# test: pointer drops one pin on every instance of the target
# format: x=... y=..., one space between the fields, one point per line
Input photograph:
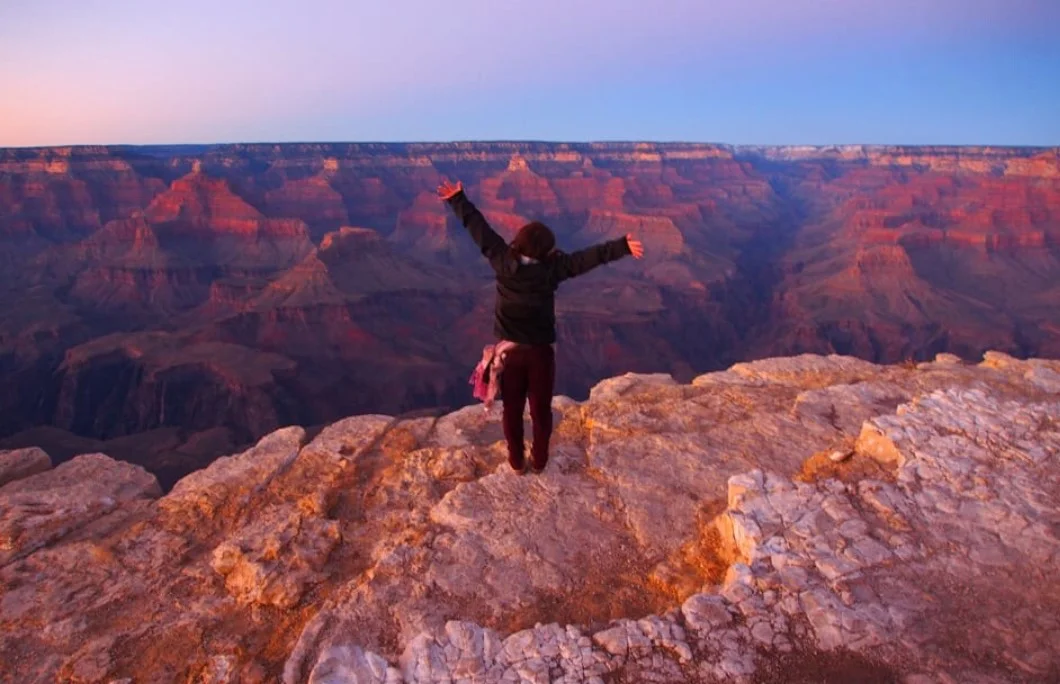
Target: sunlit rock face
x=682 y=532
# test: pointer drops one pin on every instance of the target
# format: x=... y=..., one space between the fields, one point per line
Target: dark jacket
x=525 y=312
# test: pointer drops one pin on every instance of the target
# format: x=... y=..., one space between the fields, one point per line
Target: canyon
x=169 y=305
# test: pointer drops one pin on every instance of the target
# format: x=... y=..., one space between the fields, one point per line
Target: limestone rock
x=1046 y=379
x=840 y=455
x=809 y=370
x=273 y=560
x=351 y=664
x=615 y=388
x=43 y=508
x=233 y=480
x=680 y=533
x=20 y=463
x=704 y=613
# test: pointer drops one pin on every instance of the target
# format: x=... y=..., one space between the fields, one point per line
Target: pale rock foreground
x=681 y=533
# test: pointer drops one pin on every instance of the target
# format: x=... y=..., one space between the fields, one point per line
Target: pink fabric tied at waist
x=486 y=378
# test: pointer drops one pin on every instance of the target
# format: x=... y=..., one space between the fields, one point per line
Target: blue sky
x=742 y=72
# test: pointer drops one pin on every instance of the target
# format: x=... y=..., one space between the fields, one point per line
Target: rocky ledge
x=800 y=519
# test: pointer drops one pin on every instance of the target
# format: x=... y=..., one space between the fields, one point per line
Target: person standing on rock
x=529 y=271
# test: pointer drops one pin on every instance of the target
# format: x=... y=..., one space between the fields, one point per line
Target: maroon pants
x=528 y=371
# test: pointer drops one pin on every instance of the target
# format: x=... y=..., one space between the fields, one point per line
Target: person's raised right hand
x=636 y=247
x=448 y=191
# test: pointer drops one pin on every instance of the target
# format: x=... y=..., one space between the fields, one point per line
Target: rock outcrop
x=803 y=519
x=21 y=463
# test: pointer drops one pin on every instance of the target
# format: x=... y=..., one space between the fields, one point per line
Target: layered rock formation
x=797 y=519
x=228 y=290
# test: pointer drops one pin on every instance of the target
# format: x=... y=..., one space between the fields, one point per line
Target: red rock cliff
x=333 y=273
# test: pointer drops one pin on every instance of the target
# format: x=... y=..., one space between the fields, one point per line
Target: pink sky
x=139 y=71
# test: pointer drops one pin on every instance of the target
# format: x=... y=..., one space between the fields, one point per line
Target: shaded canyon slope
x=170 y=304
x=698 y=533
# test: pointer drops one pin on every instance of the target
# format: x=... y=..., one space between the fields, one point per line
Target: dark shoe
x=534 y=460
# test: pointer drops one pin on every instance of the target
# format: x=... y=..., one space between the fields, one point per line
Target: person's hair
x=534 y=240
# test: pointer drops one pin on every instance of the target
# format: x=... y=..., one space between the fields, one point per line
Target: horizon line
x=532 y=141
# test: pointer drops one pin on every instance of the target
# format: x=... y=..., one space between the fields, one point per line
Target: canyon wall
x=215 y=293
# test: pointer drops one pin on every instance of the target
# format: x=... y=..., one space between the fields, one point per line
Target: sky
x=726 y=71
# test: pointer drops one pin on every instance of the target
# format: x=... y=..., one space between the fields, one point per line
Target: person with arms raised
x=528 y=271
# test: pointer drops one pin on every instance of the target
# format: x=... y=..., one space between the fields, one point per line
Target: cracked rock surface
x=681 y=533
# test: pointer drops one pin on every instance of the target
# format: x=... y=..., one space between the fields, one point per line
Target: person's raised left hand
x=636 y=247
x=448 y=191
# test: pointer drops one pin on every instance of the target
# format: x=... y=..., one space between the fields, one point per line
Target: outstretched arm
x=583 y=261
x=491 y=244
